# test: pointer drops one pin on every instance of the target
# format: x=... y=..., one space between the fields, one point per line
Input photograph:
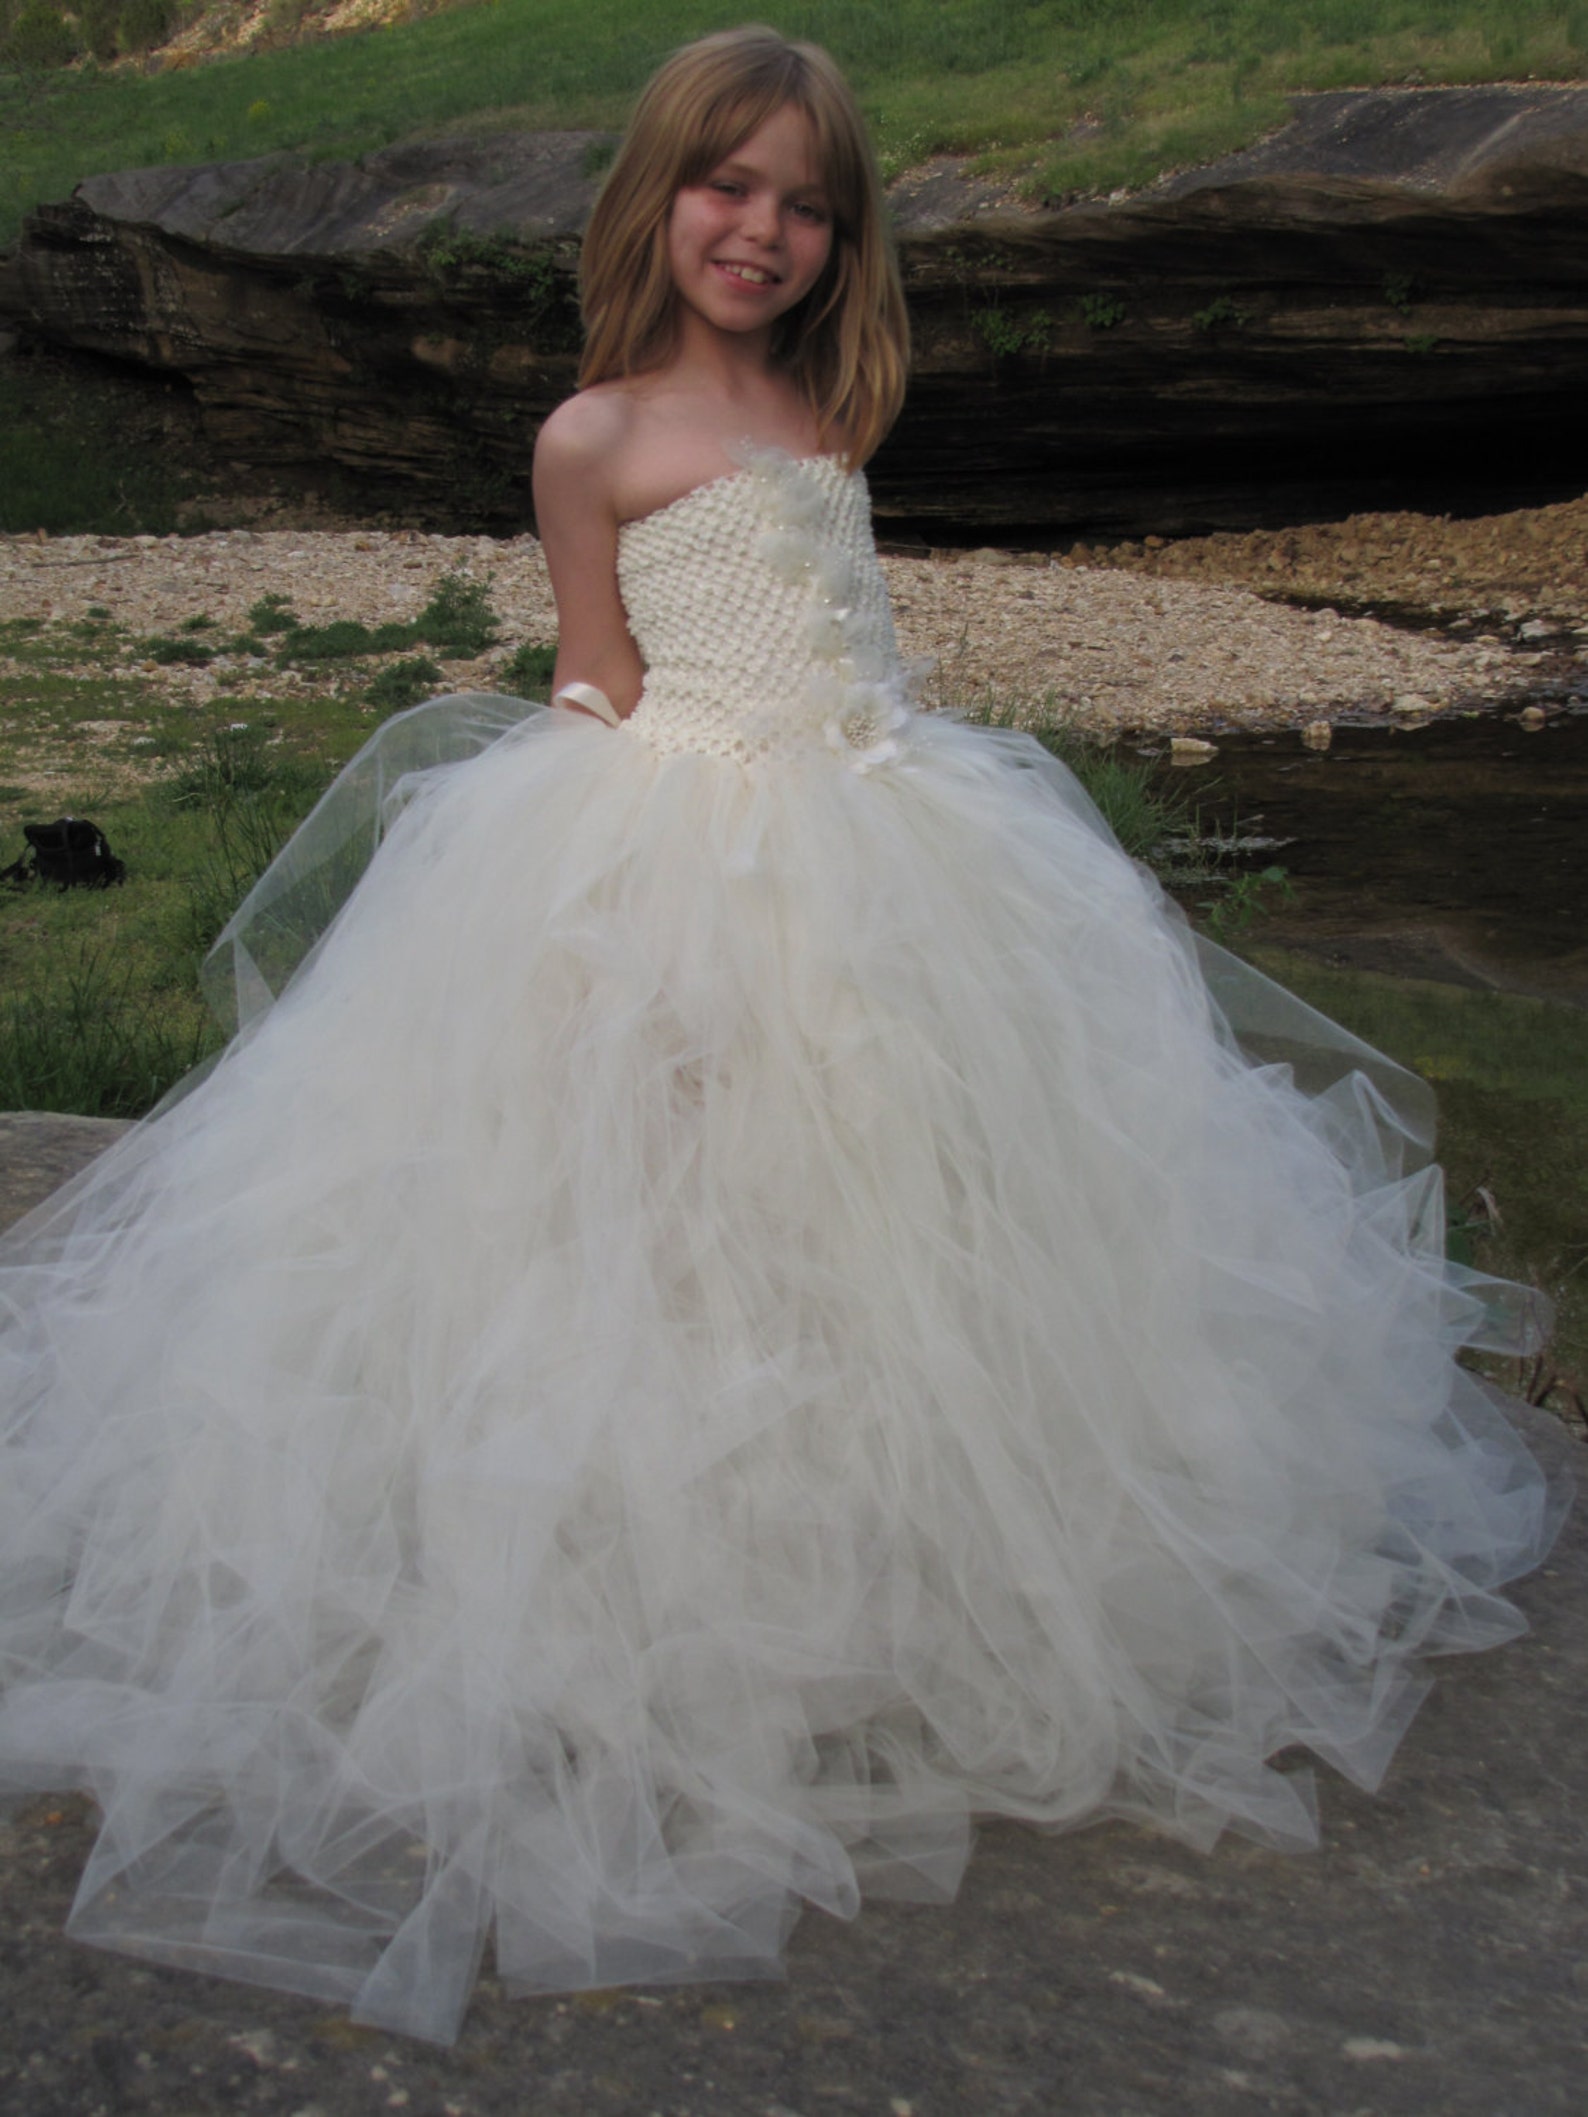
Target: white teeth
x=749 y=272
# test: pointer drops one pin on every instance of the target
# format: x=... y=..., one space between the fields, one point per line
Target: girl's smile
x=749 y=242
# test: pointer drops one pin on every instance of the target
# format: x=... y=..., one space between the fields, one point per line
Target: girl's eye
x=813 y=214
x=724 y=184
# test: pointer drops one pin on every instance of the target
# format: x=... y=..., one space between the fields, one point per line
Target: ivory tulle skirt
x=718 y=1330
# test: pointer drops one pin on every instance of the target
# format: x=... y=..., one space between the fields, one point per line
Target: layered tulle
x=722 y=1327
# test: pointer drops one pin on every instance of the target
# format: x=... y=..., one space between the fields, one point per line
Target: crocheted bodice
x=762 y=618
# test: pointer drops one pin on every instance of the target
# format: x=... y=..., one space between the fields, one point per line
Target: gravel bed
x=1137 y=638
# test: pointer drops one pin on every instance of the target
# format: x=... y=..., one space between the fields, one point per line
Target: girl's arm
x=576 y=516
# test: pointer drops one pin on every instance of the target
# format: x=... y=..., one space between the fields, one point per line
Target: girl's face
x=749 y=241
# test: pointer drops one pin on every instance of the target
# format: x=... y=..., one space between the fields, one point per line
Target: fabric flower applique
x=856 y=694
x=867 y=724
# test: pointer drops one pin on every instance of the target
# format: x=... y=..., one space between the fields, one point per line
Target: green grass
x=87 y=711
x=1072 y=94
x=99 y=1003
x=102 y=1011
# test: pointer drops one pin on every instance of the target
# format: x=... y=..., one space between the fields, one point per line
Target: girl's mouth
x=746 y=275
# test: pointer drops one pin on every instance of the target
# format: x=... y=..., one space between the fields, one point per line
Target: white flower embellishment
x=856 y=693
x=866 y=723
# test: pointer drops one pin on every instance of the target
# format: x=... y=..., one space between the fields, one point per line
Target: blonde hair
x=847 y=342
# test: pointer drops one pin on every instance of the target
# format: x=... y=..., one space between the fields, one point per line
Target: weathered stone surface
x=40 y=1150
x=1384 y=301
x=1429 y=139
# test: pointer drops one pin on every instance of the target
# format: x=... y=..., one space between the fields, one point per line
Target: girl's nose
x=760 y=218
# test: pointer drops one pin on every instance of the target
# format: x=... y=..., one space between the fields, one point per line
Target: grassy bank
x=1072 y=95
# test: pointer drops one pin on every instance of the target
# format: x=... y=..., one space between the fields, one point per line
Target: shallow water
x=1440 y=909
x=1456 y=851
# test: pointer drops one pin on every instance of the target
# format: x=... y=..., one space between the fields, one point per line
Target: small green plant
x=202 y=623
x=898 y=151
x=250 y=793
x=1400 y=289
x=1005 y=335
x=271 y=614
x=339 y=641
x=528 y=674
x=169 y=650
x=1151 y=817
x=228 y=764
x=403 y=684
x=1101 y=312
x=1221 y=314
x=458 y=620
x=39 y=39
x=540 y=288
x=458 y=615
x=1420 y=341
x=1242 y=901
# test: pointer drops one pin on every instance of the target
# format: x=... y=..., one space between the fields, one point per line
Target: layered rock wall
x=1386 y=302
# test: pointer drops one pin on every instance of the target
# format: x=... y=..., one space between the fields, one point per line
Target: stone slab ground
x=1431 y=1957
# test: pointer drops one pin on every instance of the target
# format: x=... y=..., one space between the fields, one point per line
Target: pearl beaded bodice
x=762 y=618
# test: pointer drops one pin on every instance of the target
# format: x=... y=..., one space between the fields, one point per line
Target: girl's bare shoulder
x=586 y=432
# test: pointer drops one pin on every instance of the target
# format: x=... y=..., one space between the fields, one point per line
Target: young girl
x=742 y=1308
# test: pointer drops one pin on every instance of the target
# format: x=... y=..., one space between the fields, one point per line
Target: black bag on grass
x=72 y=853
